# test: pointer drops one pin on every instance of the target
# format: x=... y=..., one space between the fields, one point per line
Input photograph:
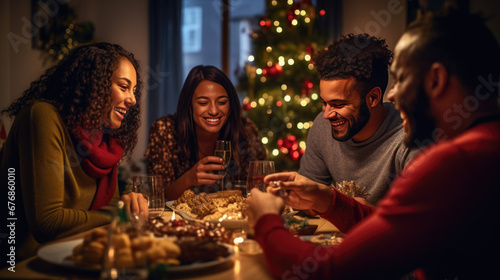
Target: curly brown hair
x=364 y=57
x=79 y=86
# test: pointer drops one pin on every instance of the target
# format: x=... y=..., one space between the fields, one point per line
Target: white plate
x=56 y=254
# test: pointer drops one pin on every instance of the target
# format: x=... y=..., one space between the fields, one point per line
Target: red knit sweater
x=440 y=218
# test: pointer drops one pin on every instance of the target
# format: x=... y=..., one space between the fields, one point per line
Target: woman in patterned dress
x=181 y=146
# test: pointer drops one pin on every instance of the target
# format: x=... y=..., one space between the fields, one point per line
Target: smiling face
x=409 y=95
x=123 y=85
x=210 y=105
x=344 y=108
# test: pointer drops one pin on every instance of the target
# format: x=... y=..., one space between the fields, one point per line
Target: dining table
x=242 y=266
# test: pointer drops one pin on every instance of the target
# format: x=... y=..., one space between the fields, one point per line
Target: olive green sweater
x=52 y=192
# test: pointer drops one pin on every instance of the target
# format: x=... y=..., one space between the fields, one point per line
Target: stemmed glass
x=223 y=150
x=256 y=173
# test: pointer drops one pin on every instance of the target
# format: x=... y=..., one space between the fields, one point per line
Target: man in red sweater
x=440 y=218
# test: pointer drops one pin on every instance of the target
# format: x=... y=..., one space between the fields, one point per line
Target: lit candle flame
x=238 y=240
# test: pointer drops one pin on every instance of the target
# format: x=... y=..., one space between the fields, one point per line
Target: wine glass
x=256 y=173
x=223 y=150
x=151 y=187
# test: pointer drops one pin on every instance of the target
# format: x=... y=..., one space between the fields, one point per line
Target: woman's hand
x=261 y=203
x=300 y=192
x=201 y=172
x=136 y=204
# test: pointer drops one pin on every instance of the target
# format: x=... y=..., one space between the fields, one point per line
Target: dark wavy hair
x=364 y=57
x=183 y=117
x=461 y=42
x=79 y=86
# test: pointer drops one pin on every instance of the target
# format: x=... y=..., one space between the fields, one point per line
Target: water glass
x=121 y=260
x=151 y=187
x=256 y=173
x=240 y=185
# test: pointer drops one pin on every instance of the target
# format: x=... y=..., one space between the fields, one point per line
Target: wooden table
x=244 y=266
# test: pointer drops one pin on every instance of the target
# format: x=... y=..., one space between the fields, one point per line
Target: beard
x=421 y=123
x=363 y=118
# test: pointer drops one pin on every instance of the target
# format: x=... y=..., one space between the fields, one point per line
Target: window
x=191 y=29
x=202 y=33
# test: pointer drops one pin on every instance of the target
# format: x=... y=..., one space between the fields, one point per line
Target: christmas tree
x=281 y=83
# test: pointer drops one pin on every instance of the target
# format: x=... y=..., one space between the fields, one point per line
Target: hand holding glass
x=223 y=150
x=151 y=187
x=256 y=173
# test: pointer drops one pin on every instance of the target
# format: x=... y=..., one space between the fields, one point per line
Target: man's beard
x=364 y=117
x=421 y=124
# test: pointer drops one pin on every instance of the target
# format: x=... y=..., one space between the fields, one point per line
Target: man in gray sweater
x=357 y=137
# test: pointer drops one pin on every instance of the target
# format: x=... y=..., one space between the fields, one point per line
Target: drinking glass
x=121 y=260
x=223 y=150
x=256 y=173
x=151 y=187
x=240 y=185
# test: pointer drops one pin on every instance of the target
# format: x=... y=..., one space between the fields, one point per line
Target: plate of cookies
x=179 y=255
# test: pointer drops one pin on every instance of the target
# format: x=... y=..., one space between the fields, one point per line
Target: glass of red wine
x=256 y=173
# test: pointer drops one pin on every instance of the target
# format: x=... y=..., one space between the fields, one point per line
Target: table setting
x=175 y=240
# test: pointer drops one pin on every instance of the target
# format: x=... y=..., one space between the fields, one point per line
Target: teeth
x=212 y=120
x=338 y=123
x=121 y=111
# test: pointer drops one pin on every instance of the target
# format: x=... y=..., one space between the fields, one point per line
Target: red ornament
x=273 y=71
x=307 y=87
x=265 y=23
x=290 y=147
x=268 y=23
x=309 y=49
x=247 y=106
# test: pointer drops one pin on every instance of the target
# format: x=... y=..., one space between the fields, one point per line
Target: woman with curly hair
x=181 y=146
x=71 y=128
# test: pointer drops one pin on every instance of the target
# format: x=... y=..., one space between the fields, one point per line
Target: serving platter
x=57 y=254
x=227 y=223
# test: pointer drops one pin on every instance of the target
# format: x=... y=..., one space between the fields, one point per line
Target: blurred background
x=264 y=46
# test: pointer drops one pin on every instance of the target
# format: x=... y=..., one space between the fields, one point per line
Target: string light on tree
x=282 y=83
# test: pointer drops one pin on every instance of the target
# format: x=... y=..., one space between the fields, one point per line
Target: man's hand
x=301 y=192
x=261 y=203
x=136 y=204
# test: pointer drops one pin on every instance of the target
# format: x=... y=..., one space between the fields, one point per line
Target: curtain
x=331 y=24
x=165 y=58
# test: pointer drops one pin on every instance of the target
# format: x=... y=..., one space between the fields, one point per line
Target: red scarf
x=99 y=154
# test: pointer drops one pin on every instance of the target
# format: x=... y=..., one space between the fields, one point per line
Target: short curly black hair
x=363 y=57
x=472 y=56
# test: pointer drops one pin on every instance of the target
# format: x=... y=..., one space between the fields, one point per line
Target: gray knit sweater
x=372 y=163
